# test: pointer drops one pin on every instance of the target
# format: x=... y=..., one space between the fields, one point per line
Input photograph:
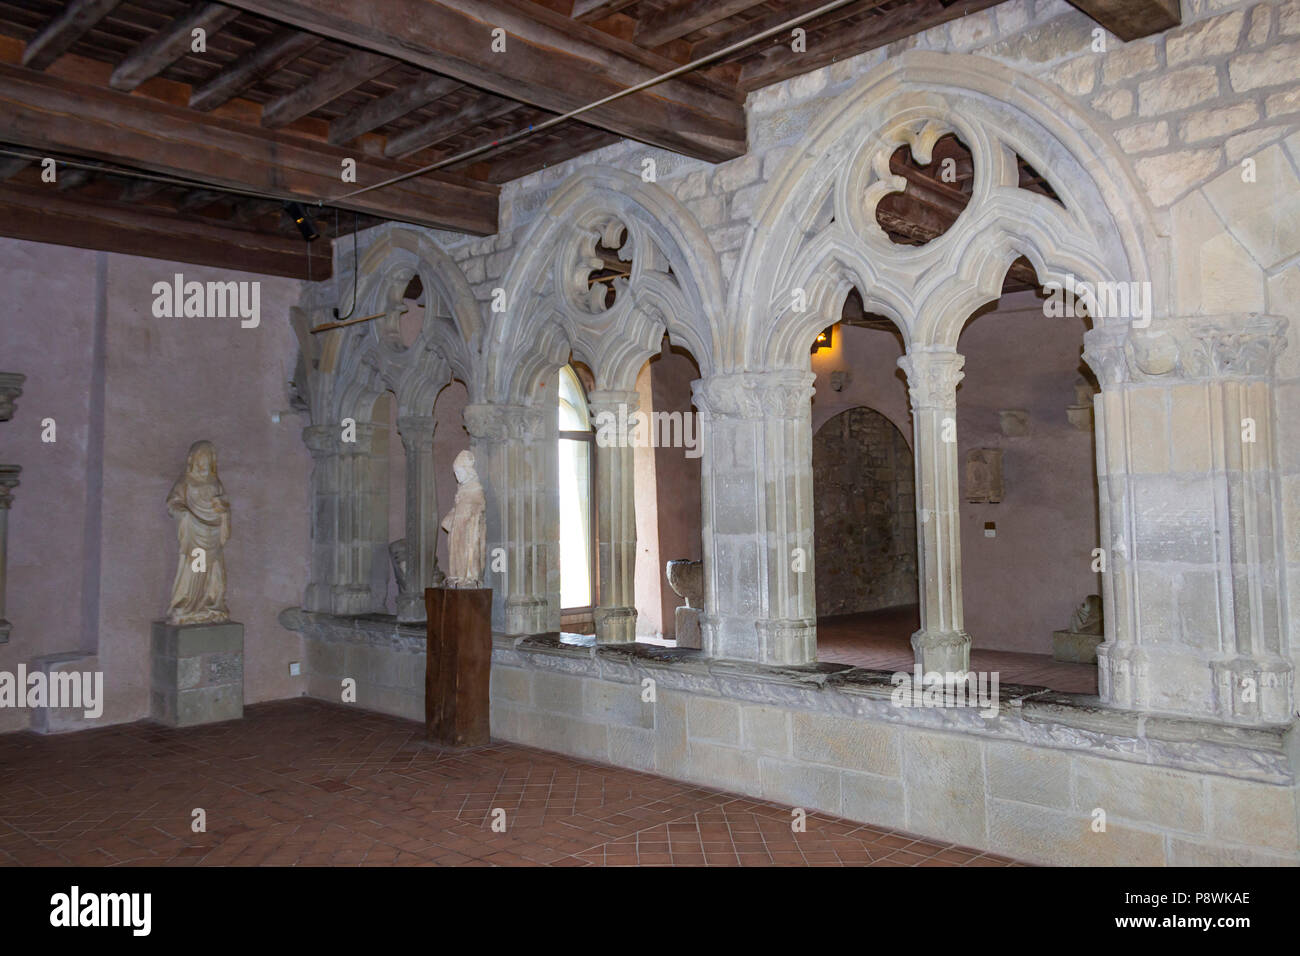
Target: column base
x=784 y=642
x=942 y=651
x=1252 y=690
x=526 y=616
x=411 y=608
x=615 y=625
x=347 y=600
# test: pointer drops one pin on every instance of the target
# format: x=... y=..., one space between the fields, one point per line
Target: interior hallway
x=307 y=783
x=880 y=640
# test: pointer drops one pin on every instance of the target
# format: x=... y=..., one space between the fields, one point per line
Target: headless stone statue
x=198 y=502
x=1078 y=642
x=1087 y=616
x=466 y=527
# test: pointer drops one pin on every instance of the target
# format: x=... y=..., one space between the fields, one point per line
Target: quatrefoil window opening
x=936 y=193
x=611 y=267
x=934 y=196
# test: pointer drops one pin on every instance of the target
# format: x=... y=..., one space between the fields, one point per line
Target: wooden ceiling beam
x=527 y=159
x=43 y=112
x=278 y=52
x=356 y=68
x=168 y=45
x=57 y=36
x=1132 y=19
x=780 y=62
x=551 y=62
x=444 y=127
x=40 y=215
x=767 y=21
x=588 y=10
x=383 y=110
x=686 y=16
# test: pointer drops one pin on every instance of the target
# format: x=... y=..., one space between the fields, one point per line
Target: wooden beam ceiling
x=325 y=87
x=382 y=111
x=168 y=45
x=1133 y=19
x=39 y=215
x=551 y=62
x=64 y=30
x=285 y=47
x=686 y=16
x=50 y=113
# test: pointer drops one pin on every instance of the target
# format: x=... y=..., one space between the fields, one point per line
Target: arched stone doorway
x=865 y=531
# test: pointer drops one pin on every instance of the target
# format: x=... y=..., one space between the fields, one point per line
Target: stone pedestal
x=80 y=676
x=1075 y=648
x=458 y=664
x=198 y=673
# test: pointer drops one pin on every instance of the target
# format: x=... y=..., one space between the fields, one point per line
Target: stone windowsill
x=1027 y=714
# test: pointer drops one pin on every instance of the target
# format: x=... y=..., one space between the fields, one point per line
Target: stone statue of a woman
x=466 y=527
x=199 y=504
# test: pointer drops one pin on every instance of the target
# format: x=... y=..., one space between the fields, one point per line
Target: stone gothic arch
x=349 y=368
x=816 y=228
x=552 y=313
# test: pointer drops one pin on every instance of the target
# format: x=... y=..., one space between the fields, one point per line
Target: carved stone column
x=421 y=517
x=611 y=412
x=323 y=443
x=510 y=449
x=350 y=496
x=8 y=482
x=756 y=436
x=933 y=373
x=1187 y=467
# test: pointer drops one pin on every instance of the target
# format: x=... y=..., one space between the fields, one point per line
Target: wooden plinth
x=458 y=664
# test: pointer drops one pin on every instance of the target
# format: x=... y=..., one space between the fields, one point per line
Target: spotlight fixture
x=302 y=221
x=823 y=340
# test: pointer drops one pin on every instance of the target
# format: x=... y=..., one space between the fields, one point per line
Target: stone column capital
x=11 y=386
x=416 y=432
x=321 y=440
x=1193 y=348
x=780 y=393
x=498 y=423
x=933 y=373
x=610 y=399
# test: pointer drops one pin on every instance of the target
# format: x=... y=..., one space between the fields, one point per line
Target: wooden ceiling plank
x=1132 y=19
x=586 y=11
x=686 y=16
x=325 y=87
x=38 y=215
x=383 y=110
x=522 y=161
x=551 y=62
x=767 y=21
x=169 y=44
x=898 y=24
x=11 y=166
x=43 y=112
x=64 y=30
x=281 y=50
x=442 y=128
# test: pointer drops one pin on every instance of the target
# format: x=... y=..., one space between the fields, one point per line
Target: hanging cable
x=355 y=260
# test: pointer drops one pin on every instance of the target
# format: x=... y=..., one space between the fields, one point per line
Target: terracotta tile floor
x=881 y=640
x=308 y=783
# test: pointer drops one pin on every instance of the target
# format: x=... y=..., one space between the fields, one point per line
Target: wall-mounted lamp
x=824 y=339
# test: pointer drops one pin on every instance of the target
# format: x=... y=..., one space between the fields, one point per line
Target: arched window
x=577 y=459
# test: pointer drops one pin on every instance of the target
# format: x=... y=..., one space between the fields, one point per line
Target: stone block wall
x=1036 y=781
x=863 y=485
x=1031 y=783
